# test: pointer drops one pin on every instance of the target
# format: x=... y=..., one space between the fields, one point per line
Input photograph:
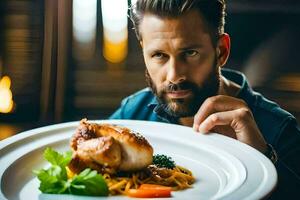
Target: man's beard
x=186 y=107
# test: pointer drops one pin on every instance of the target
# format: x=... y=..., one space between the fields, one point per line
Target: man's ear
x=141 y=43
x=223 y=49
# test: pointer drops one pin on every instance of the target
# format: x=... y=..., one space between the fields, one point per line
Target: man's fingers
x=234 y=118
x=242 y=123
x=215 y=104
x=216 y=119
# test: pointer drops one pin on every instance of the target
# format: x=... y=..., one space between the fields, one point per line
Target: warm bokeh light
x=84 y=27
x=5 y=82
x=288 y=82
x=115 y=51
x=84 y=20
x=114 y=17
x=6 y=102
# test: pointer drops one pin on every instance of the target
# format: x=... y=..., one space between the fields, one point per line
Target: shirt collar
x=153 y=103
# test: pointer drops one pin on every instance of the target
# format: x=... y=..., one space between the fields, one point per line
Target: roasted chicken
x=108 y=148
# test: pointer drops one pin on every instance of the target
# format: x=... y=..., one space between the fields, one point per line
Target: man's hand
x=231 y=117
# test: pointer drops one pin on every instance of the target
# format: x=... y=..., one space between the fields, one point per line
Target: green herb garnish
x=88 y=182
x=161 y=160
x=54 y=180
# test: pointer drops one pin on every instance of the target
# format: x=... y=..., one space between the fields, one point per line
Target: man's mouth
x=180 y=94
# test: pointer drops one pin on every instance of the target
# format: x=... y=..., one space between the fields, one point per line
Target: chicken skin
x=109 y=148
x=103 y=150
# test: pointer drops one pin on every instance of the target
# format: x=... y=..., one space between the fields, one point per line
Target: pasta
x=178 y=178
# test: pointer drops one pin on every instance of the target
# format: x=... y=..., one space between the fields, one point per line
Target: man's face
x=180 y=60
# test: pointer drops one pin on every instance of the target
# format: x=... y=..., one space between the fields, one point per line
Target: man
x=185 y=47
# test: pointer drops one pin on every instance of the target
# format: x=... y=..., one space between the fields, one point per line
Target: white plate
x=224 y=168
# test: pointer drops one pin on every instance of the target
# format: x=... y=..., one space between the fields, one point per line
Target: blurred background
x=63 y=60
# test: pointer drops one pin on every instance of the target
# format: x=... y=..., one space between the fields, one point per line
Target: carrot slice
x=149 y=193
x=154 y=186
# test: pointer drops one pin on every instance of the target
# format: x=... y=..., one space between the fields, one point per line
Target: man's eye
x=158 y=55
x=190 y=53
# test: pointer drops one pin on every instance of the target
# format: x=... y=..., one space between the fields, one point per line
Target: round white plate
x=224 y=168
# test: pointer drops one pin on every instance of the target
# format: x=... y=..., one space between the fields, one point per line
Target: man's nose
x=176 y=71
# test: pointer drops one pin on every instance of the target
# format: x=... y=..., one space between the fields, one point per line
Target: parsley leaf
x=56 y=158
x=88 y=182
x=54 y=180
x=60 y=160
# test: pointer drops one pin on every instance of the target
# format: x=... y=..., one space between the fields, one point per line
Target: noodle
x=179 y=178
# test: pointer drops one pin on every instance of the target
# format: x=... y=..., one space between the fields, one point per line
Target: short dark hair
x=213 y=12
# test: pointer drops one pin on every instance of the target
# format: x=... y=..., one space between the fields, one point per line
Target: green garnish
x=54 y=180
x=161 y=160
x=88 y=182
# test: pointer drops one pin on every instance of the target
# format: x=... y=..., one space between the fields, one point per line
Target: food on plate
x=109 y=148
x=55 y=180
x=163 y=161
x=109 y=159
x=149 y=191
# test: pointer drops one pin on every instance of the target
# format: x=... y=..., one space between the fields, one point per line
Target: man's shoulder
x=264 y=105
x=264 y=109
x=271 y=118
x=139 y=105
x=141 y=95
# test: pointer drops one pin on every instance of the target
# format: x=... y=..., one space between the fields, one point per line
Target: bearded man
x=185 y=48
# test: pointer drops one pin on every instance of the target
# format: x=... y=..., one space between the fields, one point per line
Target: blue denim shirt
x=278 y=127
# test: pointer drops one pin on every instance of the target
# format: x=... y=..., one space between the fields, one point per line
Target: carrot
x=150 y=191
x=154 y=186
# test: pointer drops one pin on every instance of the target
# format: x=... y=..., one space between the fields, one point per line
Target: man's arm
x=288 y=164
x=288 y=146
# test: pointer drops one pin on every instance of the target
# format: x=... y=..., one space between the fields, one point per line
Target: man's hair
x=213 y=12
